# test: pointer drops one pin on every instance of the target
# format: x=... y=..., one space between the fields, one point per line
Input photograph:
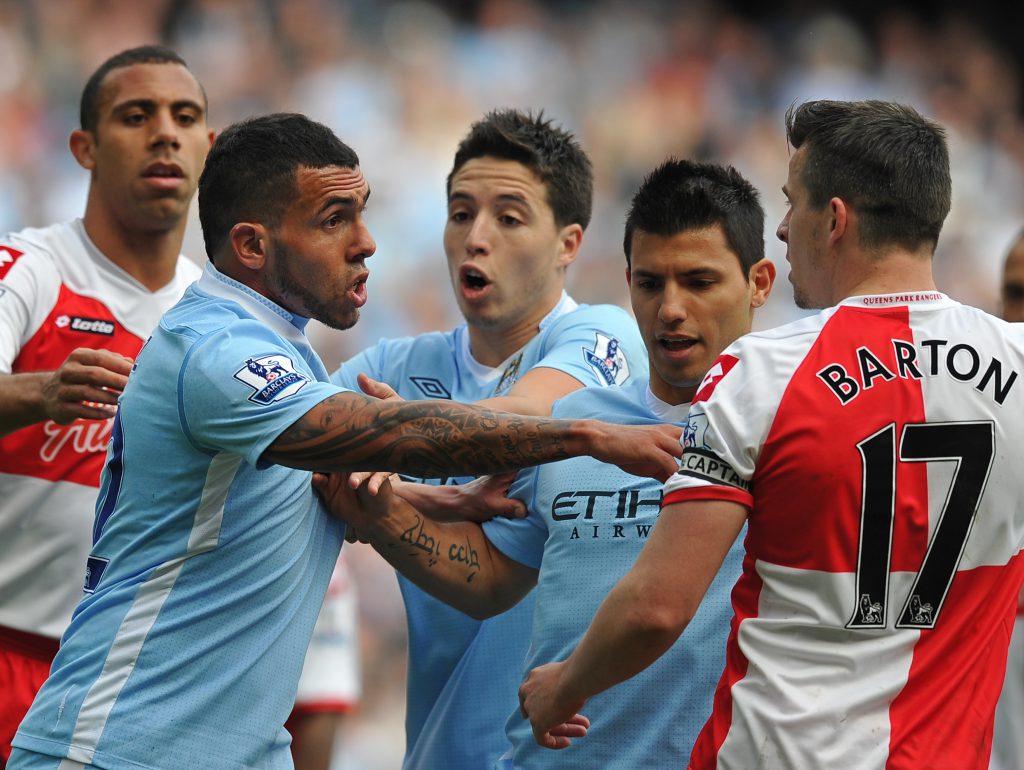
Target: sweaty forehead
x=161 y=83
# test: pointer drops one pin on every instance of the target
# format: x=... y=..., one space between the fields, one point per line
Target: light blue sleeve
x=596 y=344
x=238 y=391
x=368 y=362
x=521 y=539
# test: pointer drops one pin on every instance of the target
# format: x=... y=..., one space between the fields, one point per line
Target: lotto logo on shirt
x=271 y=377
x=85 y=325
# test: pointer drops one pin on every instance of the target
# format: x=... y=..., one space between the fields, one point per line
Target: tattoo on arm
x=420 y=540
x=349 y=431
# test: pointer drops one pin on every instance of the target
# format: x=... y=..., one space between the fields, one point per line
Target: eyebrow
x=348 y=201
x=689 y=273
x=506 y=198
x=149 y=105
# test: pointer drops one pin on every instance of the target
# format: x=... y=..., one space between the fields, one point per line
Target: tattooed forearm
x=465 y=554
x=428 y=438
x=417 y=541
x=417 y=538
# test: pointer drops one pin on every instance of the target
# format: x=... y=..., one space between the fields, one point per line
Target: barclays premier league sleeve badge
x=272 y=378
x=608 y=360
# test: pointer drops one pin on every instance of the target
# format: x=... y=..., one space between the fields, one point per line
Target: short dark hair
x=89 y=109
x=550 y=152
x=884 y=159
x=250 y=173
x=681 y=195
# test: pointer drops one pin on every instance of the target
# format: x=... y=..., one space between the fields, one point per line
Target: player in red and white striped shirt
x=77 y=301
x=874 y=452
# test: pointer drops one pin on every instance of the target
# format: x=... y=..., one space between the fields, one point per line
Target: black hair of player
x=885 y=160
x=92 y=94
x=251 y=171
x=682 y=195
x=550 y=152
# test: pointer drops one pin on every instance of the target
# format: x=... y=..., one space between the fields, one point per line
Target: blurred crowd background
x=637 y=81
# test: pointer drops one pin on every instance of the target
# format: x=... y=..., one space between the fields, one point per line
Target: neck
x=670 y=394
x=490 y=345
x=150 y=257
x=894 y=272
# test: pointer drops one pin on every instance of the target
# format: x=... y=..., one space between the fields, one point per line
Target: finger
x=512 y=508
x=88 y=395
x=106 y=359
x=320 y=481
x=549 y=741
x=576 y=727
x=72 y=412
x=357 y=478
x=375 y=388
x=373 y=486
x=556 y=742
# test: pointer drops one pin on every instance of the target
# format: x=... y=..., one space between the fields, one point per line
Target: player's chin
x=340 y=319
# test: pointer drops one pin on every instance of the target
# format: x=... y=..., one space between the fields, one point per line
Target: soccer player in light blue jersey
x=696 y=271
x=519 y=198
x=211 y=552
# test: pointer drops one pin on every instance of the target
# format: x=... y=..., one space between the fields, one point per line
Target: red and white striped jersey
x=58 y=293
x=879 y=447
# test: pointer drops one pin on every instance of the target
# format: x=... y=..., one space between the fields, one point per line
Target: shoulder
x=398 y=352
x=624 y=404
x=594 y=316
x=198 y=314
x=42 y=246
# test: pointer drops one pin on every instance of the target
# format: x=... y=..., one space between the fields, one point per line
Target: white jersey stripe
x=96 y=707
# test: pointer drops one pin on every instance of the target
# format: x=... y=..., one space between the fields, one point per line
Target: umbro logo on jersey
x=8 y=256
x=718 y=370
x=431 y=387
x=272 y=378
x=85 y=325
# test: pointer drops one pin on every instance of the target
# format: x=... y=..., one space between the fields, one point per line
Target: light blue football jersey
x=208 y=567
x=586 y=526
x=464 y=673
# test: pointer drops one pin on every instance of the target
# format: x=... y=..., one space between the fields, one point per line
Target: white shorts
x=330 y=675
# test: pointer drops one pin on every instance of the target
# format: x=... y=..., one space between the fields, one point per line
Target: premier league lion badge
x=608 y=360
x=271 y=377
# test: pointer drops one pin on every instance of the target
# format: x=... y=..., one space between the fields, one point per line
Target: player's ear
x=762 y=278
x=248 y=243
x=840 y=220
x=82 y=144
x=570 y=238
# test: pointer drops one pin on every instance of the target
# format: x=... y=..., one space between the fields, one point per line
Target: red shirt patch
x=718 y=370
x=8 y=256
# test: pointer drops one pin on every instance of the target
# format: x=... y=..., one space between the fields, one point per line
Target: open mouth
x=475 y=284
x=357 y=294
x=676 y=344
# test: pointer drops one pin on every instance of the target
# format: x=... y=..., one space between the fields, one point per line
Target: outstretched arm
x=349 y=431
x=535 y=392
x=86 y=386
x=453 y=561
x=640 y=619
